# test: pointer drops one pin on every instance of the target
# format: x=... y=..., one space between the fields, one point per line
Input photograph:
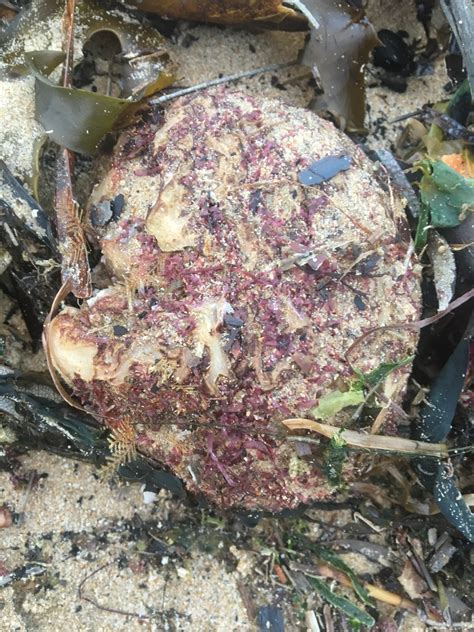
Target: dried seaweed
x=32 y=276
x=36 y=221
x=39 y=420
x=257 y=13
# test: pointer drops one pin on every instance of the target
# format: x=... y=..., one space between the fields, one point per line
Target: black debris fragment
x=120 y=330
x=434 y=425
x=23 y=573
x=394 y=55
x=270 y=619
x=140 y=471
x=37 y=221
x=233 y=321
x=359 y=303
x=101 y=214
x=399 y=179
x=117 y=206
x=324 y=169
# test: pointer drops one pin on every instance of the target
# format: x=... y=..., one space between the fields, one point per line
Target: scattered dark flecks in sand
x=169 y=547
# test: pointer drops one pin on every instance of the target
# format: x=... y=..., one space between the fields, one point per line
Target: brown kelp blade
x=270 y=14
x=72 y=117
x=341 y=41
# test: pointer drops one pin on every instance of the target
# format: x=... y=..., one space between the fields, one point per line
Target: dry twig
x=362 y=441
x=219 y=81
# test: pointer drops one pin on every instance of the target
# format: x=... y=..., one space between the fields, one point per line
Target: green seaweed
x=335 y=456
x=447 y=195
x=356 y=614
x=379 y=374
x=335 y=401
x=304 y=544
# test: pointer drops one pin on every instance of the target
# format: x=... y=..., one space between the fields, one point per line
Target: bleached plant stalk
x=375 y=443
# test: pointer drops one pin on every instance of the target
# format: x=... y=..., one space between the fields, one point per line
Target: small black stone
x=368 y=265
x=359 y=303
x=120 y=330
x=233 y=321
x=101 y=214
x=324 y=293
x=255 y=200
x=117 y=205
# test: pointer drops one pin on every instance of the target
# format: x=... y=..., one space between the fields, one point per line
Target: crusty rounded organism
x=237 y=290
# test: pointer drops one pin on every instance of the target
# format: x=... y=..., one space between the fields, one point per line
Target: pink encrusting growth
x=235 y=292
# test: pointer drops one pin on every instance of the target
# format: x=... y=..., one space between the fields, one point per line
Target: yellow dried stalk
x=378 y=443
